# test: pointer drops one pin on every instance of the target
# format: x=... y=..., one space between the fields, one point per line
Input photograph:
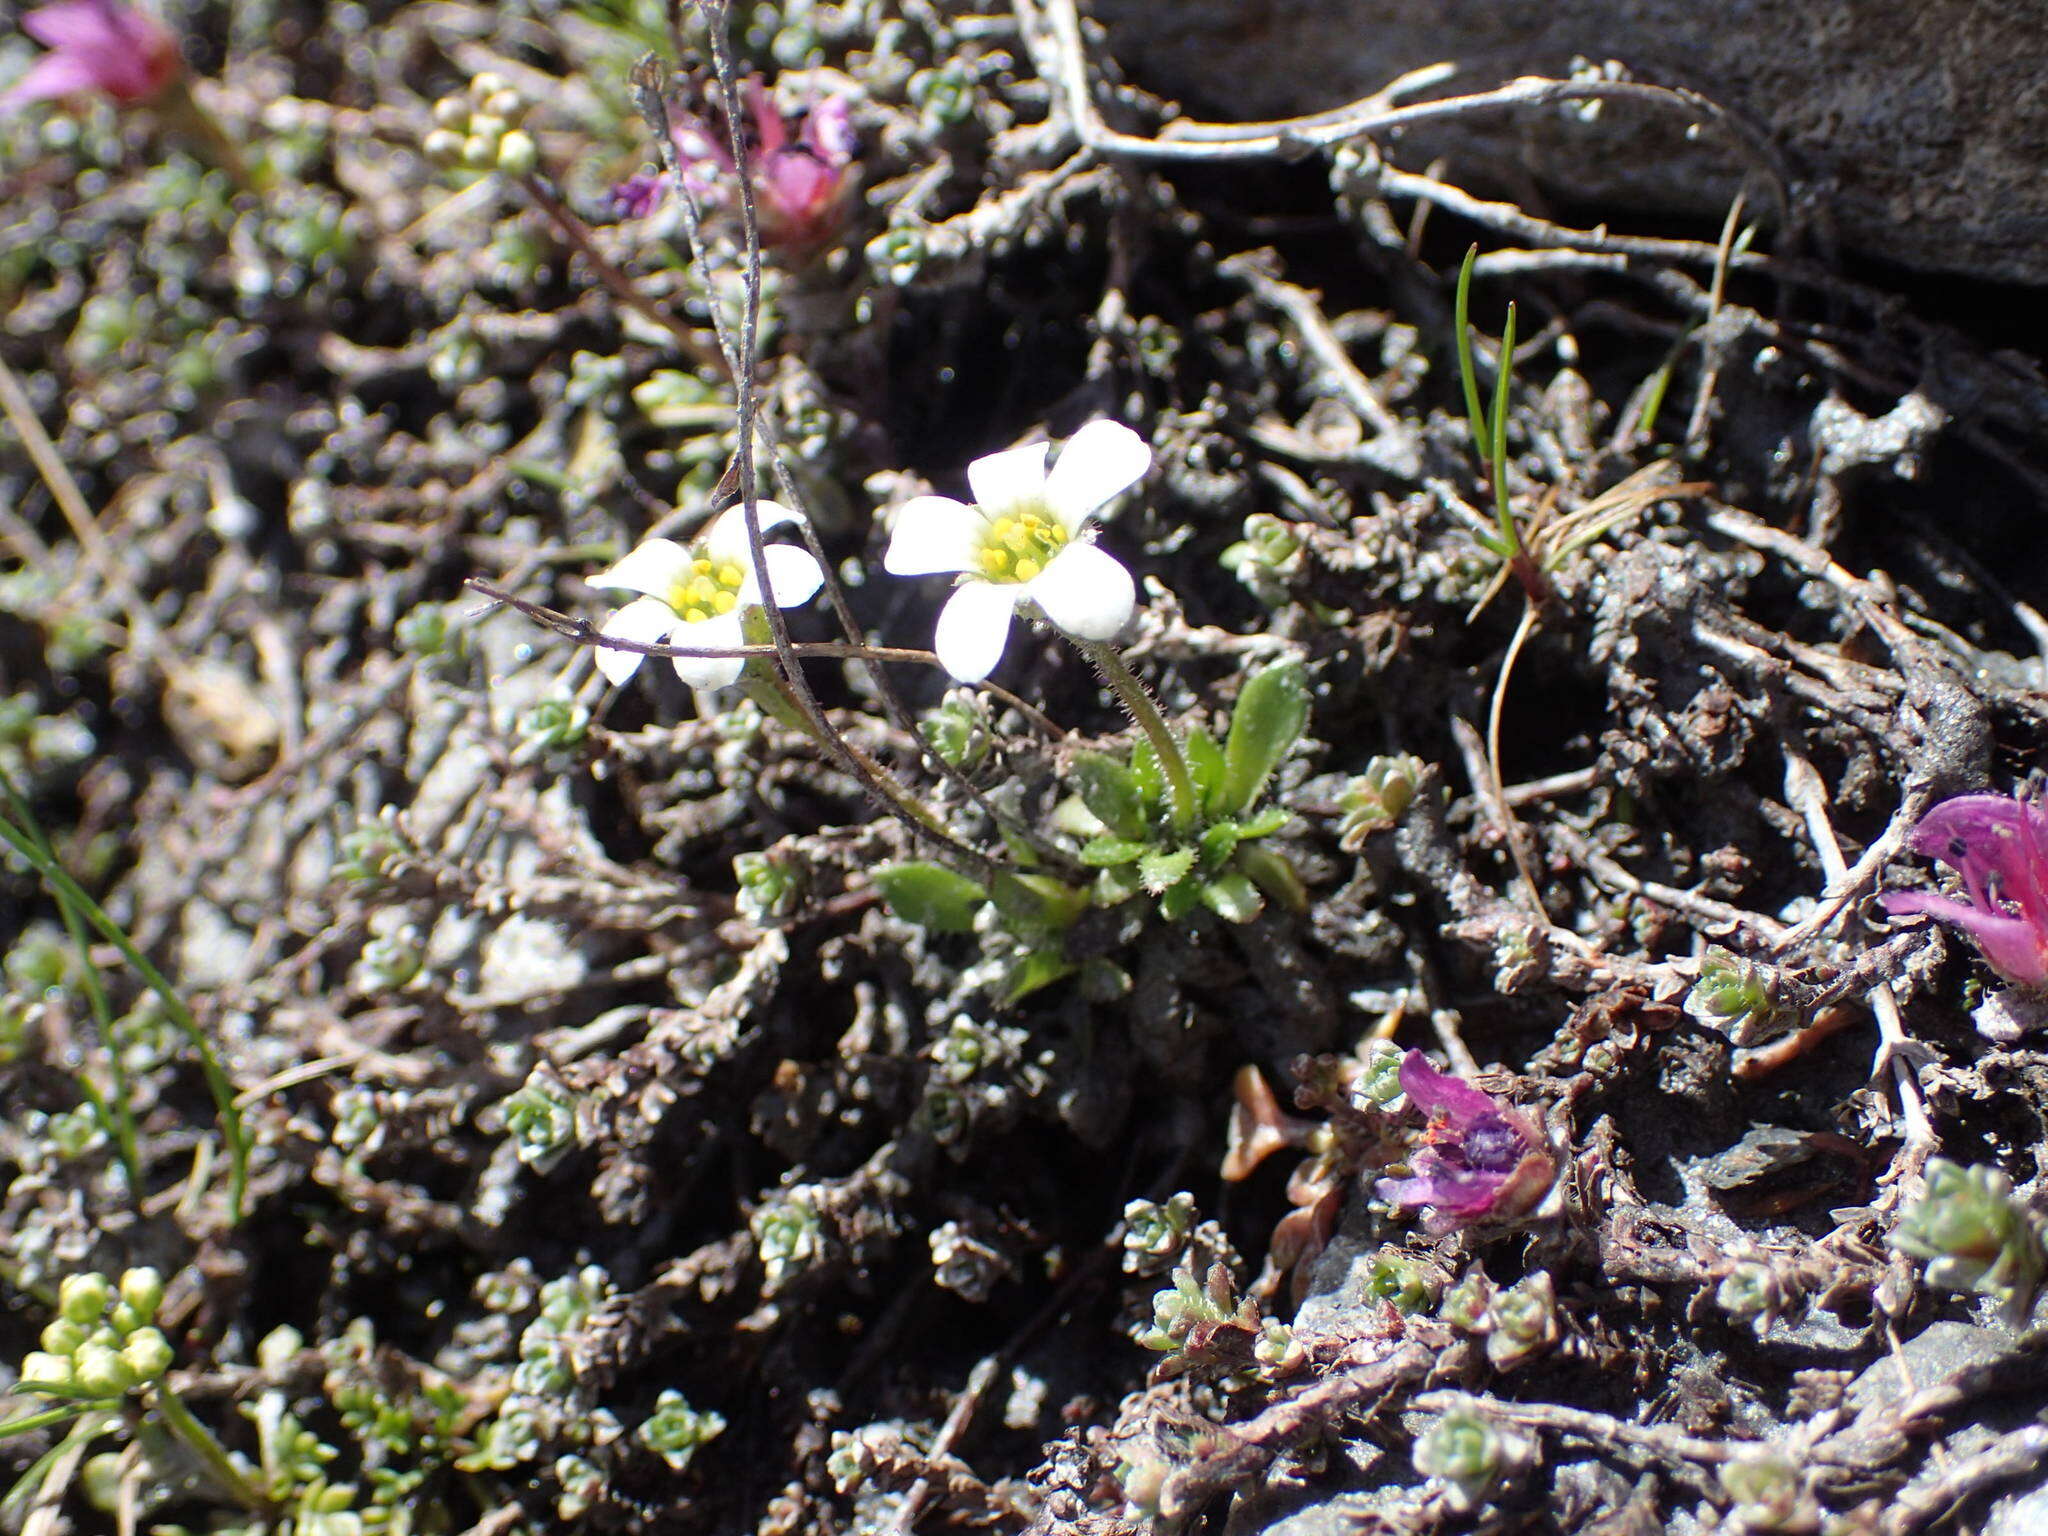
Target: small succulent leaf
x=1112 y=791
x=931 y=896
x=1035 y=971
x=1108 y=852
x=1264 y=823
x=1218 y=843
x=1179 y=900
x=1271 y=714
x=1161 y=868
x=1232 y=897
x=1273 y=873
x=1205 y=763
x=1019 y=849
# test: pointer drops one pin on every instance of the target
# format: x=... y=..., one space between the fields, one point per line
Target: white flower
x=698 y=594
x=1023 y=541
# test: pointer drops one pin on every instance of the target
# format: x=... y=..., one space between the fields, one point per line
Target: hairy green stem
x=1137 y=703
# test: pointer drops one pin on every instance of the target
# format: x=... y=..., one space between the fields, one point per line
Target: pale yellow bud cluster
x=478 y=129
x=103 y=1343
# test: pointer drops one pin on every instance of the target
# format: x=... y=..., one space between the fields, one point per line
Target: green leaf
x=1179 y=901
x=1162 y=868
x=931 y=896
x=1273 y=874
x=1113 y=792
x=1468 y=373
x=1271 y=714
x=1218 y=843
x=1205 y=763
x=1108 y=852
x=1117 y=884
x=1037 y=902
x=1039 y=969
x=1151 y=779
x=1264 y=823
x=1232 y=897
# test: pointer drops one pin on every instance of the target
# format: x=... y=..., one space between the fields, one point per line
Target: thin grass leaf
x=1468 y=373
x=233 y=1128
x=29 y=1422
x=117 y=1115
x=1498 y=430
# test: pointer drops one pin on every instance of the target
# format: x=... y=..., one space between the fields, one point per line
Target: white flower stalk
x=698 y=594
x=1024 y=541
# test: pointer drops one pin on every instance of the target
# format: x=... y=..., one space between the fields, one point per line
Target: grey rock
x=1918 y=130
x=1940 y=1352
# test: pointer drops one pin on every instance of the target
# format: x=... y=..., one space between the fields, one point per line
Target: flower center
x=1493 y=1146
x=704 y=590
x=1018 y=545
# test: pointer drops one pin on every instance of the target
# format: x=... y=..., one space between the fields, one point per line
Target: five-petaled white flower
x=1023 y=541
x=697 y=594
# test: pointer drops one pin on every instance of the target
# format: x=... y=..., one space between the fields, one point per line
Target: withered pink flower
x=801 y=179
x=1998 y=844
x=96 y=47
x=1481 y=1160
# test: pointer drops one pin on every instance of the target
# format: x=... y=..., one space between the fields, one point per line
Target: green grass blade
x=117 y=1115
x=1468 y=373
x=1498 y=424
x=67 y=890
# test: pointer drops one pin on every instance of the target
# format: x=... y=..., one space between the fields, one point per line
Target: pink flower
x=800 y=184
x=1483 y=1160
x=1999 y=845
x=96 y=46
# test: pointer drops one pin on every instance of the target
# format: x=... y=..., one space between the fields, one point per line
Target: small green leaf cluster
x=540 y=1117
x=1743 y=1000
x=104 y=1342
x=674 y=1430
x=789 y=1236
x=1212 y=854
x=372 y=850
x=479 y=130
x=1155 y=1235
x=771 y=885
x=549 y=727
x=1401 y=1281
x=1752 y=1292
x=956 y=731
x=1266 y=558
x=1974 y=1235
x=1767 y=1491
x=1377 y=798
x=1470 y=1456
x=1517 y=1323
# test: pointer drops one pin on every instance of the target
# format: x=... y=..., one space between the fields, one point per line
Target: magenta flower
x=1999 y=845
x=96 y=46
x=800 y=181
x=1482 y=1160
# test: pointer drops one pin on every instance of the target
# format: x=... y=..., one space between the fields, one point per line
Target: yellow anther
x=694 y=615
x=730 y=576
x=1027 y=568
x=700 y=566
x=725 y=602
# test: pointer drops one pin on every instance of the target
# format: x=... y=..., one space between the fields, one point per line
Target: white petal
x=644 y=619
x=933 y=533
x=721 y=629
x=651 y=569
x=793 y=576
x=1003 y=480
x=974 y=626
x=1100 y=461
x=1086 y=592
x=726 y=539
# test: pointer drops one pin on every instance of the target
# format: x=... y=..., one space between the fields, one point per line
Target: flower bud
x=63 y=1336
x=41 y=1369
x=518 y=155
x=148 y=1354
x=100 y=1371
x=443 y=145
x=451 y=112
x=84 y=1298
